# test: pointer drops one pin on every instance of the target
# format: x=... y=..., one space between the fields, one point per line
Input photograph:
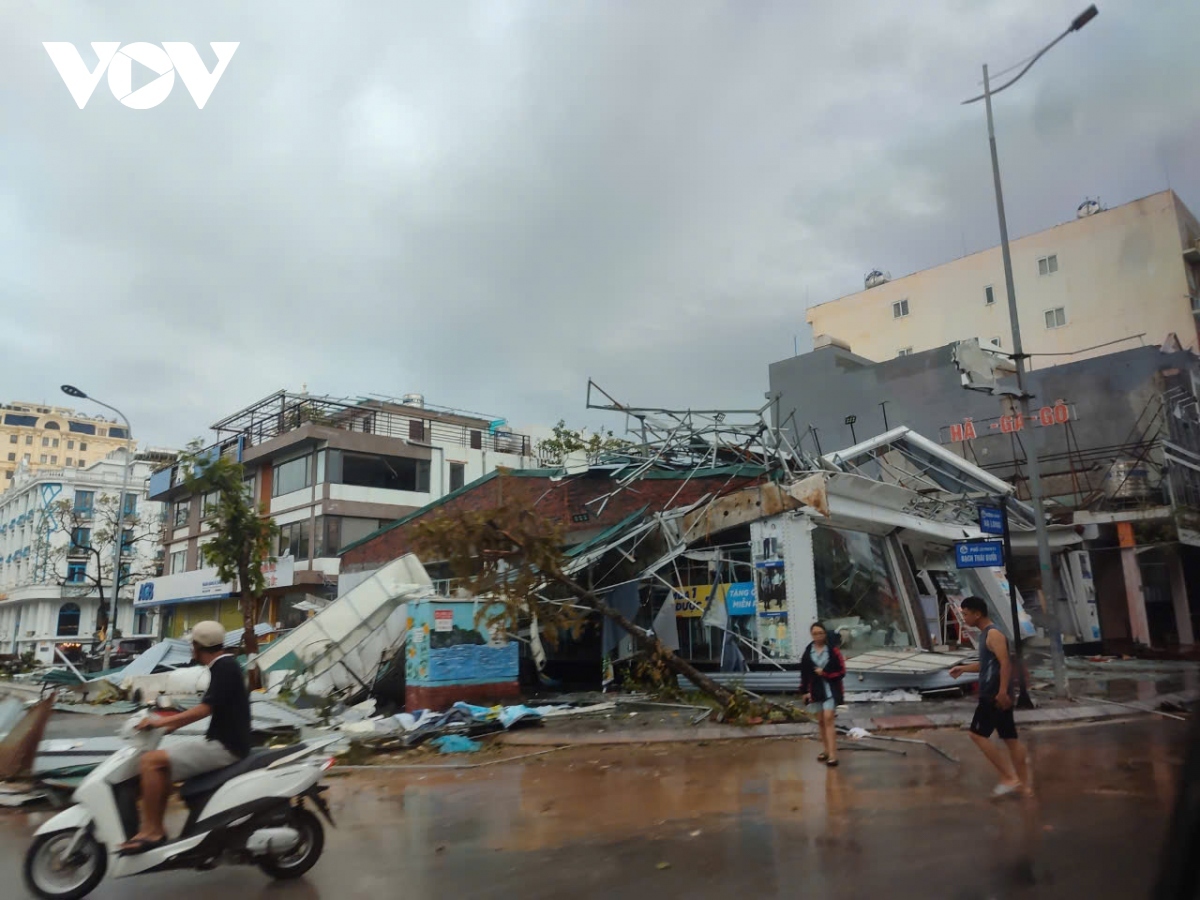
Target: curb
x=704 y=734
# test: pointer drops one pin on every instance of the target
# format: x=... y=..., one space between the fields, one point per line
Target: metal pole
x=1045 y=564
x=883 y=406
x=1022 y=698
x=118 y=542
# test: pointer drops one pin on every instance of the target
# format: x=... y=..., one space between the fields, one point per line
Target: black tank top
x=989 y=667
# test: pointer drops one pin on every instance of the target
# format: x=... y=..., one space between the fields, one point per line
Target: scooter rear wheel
x=305 y=854
x=49 y=876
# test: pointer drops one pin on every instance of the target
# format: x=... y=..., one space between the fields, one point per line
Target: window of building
x=458 y=475
x=126 y=541
x=54 y=442
x=1048 y=265
x=131 y=501
x=293 y=475
x=989 y=296
x=854 y=584
x=183 y=509
x=45 y=442
x=76 y=572
x=476 y=440
x=416 y=430
x=70 y=445
x=395 y=473
x=12 y=438
x=28 y=439
x=50 y=426
x=81 y=539
x=294 y=539
x=8 y=476
x=70 y=462
x=211 y=500
x=68 y=620
x=54 y=460
x=26 y=457
x=178 y=562
x=12 y=457
x=900 y=309
x=117 y=433
x=83 y=446
x=904 y=351
x=43 y=459
x=1056 y=318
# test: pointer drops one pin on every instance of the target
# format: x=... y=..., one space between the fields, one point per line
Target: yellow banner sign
x=691 y=602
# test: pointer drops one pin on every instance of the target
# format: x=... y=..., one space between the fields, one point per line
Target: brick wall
x=559 y=500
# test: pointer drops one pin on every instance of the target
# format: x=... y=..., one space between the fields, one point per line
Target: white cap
x=209 y=635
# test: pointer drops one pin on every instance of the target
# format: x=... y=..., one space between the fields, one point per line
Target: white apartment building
x=1107 y=280
x=47 y=596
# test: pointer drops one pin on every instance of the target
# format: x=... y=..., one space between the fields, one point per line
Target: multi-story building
x=51 y=437
x=1101 y=282
x=53 y=523
x=329 y=472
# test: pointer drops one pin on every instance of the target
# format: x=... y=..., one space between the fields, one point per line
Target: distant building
x=330 y=472
x=51 y=437
x=47 y=594
x=1106 y=276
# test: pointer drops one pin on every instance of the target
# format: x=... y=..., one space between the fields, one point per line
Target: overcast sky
x=490 y=202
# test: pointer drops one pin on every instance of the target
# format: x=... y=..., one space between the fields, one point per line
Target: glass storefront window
x=856 y=595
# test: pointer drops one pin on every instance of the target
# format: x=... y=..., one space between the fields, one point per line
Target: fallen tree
x=514 y=556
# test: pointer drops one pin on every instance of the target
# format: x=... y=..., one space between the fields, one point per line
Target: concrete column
x=1179 y=597
x=1139 y=625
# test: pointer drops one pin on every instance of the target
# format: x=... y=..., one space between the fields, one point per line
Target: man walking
x=994 y=714
x=226 y=742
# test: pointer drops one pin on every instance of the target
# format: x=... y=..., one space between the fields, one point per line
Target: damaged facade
x=716 y=533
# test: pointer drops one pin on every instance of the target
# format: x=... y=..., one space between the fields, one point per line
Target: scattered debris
x=456 y=743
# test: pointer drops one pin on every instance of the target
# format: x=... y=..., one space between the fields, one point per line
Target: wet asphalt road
x=741 y=819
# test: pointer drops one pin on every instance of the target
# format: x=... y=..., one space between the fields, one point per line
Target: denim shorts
x=829 y=705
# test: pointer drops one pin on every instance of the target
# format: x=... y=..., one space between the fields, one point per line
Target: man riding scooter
x=226 y=742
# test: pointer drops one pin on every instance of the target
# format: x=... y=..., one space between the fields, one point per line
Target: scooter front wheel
x=305 y=854
x=49 y=874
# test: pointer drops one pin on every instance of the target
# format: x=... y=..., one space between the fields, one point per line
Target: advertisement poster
x=773 y=633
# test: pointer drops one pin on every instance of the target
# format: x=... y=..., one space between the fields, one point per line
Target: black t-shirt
x=230 y=704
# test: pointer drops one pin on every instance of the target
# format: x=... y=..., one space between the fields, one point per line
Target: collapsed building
x=712 y=529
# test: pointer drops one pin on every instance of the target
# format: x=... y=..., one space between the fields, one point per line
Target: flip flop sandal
x=142 y=845
x=822 y=757
x=832 y=763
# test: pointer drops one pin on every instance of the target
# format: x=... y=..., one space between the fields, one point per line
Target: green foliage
x=245 y=533
x=505 y=554
x=595 y=446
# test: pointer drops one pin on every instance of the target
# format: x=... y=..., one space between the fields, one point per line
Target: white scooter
x=250 y=813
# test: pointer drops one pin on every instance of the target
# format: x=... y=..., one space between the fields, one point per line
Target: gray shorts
x=192 y=758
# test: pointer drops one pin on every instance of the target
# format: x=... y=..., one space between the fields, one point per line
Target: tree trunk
x=249 y=615
x=649 y=641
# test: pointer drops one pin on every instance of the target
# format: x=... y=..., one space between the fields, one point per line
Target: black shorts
x=989 y=719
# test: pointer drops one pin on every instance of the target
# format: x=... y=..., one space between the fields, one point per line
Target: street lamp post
x=119 y=537
x=1035 y=474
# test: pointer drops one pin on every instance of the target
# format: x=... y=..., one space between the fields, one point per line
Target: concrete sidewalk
x=626 y=731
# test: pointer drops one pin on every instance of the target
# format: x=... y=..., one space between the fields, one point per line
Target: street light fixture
x=119 y=536
x=1019 y=356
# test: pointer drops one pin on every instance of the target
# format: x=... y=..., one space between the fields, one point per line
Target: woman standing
x=822 y=669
